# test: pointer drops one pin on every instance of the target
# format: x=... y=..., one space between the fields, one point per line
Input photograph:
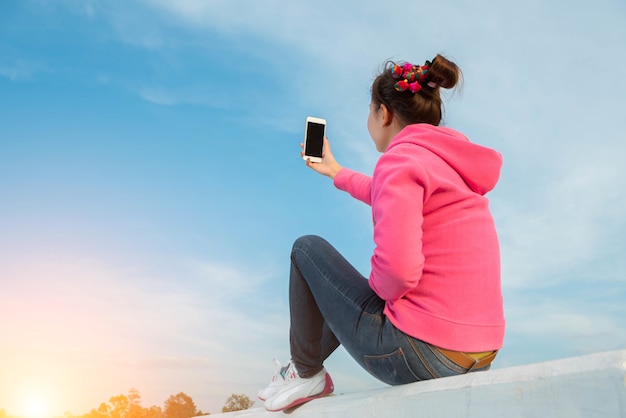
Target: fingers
x=327 y=146
x=322 y=166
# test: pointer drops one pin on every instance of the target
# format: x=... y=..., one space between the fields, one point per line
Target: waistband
x=469 y=361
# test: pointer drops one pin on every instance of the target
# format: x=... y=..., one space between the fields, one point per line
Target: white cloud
x=159 y=96
x=202 y=94
x=563 y=324
x=570 y=225
x=18 y=70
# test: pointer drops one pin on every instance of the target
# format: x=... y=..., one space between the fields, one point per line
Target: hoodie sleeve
x=356 y=184
x=397 y=206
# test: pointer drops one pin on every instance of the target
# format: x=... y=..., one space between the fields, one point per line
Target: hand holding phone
x=316 y=149
x=314 y=134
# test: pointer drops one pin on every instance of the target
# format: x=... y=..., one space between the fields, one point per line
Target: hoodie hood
x=479 y=166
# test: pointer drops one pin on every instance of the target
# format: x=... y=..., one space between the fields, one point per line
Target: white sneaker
x=297 y=390
x=278 y=380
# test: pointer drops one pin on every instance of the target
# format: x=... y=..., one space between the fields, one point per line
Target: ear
x=386 y=115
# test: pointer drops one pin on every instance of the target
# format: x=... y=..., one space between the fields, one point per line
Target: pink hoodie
x=437 y=260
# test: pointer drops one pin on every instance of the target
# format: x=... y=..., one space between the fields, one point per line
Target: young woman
x=432 y=306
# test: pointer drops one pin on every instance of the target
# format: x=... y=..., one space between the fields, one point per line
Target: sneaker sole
x=329 y=387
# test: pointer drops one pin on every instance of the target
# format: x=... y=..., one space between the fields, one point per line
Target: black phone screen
x=314 y=139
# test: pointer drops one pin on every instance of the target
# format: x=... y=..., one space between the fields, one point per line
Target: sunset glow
x=36 y=406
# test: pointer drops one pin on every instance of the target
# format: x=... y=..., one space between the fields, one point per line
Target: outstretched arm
x=356 y=184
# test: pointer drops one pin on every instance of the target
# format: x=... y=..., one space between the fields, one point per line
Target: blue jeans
x=331 y=303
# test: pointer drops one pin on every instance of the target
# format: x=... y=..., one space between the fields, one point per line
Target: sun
x=35 y=398
x=35 y=406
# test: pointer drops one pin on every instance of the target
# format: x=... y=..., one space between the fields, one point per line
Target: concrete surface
x=588 y=386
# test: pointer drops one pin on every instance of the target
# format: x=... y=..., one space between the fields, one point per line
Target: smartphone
x=314 y=134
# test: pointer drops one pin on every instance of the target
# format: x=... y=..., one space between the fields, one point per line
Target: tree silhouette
x=153 y=412
x=120 y=405
x=129 y=406
x=180 y=406
x=237 y=403
x=123 y=406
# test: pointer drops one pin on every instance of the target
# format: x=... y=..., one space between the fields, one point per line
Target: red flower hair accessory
x=411 y=76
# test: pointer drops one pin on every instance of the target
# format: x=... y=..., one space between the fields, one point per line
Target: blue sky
x=151 y=184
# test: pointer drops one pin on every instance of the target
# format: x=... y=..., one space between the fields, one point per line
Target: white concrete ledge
x=588 y=386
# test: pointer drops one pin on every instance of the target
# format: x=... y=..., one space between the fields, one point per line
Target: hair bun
x=444 y=72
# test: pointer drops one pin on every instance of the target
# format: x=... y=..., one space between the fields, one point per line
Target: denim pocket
x=391 y=368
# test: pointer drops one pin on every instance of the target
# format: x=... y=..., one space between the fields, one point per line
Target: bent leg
x=327 y=296
x=331 y=303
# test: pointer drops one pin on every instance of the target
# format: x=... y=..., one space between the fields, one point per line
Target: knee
x=308 y=242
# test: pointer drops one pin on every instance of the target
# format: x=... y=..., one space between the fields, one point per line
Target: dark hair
x=426 y=105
